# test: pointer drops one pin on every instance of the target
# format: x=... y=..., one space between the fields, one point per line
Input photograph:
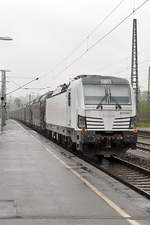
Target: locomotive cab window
x=120 y=94
x=93 y=94
x=111 y=94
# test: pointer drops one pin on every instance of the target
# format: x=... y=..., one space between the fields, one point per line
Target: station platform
x=43 y=184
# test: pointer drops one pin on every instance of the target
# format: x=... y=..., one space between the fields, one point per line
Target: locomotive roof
x=86 y=79
x=95 y=79
x=42 y=97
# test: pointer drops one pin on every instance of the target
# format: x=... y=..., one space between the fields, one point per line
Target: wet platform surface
x=41 y=183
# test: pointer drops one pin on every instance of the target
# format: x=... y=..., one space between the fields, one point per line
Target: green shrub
x=144 y=112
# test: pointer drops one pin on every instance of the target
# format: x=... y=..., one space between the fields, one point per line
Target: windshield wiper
x=117 y=103
x=100 y=104
x=115 y=100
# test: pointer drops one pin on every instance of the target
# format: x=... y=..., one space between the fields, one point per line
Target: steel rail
x=144 y=134
x=143 y=146
x=135 y=177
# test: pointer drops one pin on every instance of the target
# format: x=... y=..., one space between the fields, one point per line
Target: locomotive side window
x=69 y=99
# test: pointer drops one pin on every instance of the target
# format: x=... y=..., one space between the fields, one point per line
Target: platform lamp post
x=6 y=38
x=3 y=91
x=3 y=98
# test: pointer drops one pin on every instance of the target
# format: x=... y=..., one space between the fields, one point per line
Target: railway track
x=130 y=174
x=143 y=146
x=144 y=134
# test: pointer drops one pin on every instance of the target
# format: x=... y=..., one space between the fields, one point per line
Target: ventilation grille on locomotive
x=94 y=123
x=121 y=123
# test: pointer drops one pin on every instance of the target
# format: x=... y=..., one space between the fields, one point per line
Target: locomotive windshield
x=113 y=94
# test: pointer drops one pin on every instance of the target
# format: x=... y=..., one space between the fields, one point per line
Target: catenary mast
x=148 y=93
x=134 y=65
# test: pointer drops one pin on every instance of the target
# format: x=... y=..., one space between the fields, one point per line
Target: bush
x=144 y=112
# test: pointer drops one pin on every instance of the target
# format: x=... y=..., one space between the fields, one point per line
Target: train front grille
x=94 y=123
x=121 y=123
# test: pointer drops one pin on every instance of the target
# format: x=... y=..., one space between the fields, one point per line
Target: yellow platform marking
x=91 y=186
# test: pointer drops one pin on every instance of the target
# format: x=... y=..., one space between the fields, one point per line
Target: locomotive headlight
x=81 y=121
x=132 y=122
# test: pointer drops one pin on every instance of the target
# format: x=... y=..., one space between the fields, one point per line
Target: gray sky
x=46 y=31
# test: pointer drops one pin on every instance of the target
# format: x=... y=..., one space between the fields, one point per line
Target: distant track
x=143 y=146
x=144 y=134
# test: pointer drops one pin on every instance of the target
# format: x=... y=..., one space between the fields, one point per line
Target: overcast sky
x=46 y=31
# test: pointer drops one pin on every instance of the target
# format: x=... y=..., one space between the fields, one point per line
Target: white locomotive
x=95 y=111
x=92 y=114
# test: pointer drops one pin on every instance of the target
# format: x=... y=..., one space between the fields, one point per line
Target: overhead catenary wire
x=103 y=37
x=147 y=60
x=12 y=81
x=122 y=71
x=117 y=73
x=96 y=43
x=123 y=59
x=22 y=86
x=16 y=77
x=90 y=34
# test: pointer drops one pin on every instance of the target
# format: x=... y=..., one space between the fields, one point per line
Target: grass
x=143 y=125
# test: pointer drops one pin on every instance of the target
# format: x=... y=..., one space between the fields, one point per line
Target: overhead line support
x=134 y=65
x=148 y=93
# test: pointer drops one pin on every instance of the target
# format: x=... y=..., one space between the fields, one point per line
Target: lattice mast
x=134 y=65
x=148 y=93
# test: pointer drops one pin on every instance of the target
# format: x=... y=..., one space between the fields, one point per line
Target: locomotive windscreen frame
x=106 y=91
